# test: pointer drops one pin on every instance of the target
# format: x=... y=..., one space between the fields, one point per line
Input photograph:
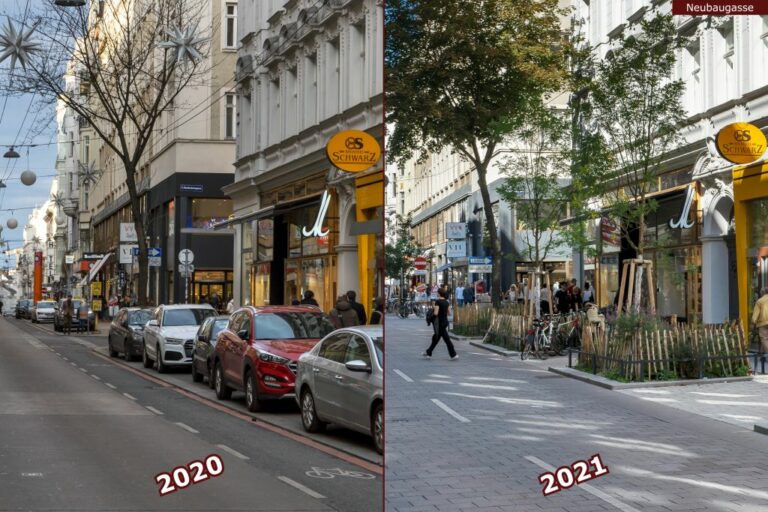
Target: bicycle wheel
x=526 y=352
x=541 y=350
x=403 y=311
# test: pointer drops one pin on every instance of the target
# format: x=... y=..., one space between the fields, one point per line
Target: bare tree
x=132 y=58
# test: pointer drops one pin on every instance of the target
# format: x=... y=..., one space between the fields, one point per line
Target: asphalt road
x=80 y=433
x=476 y=433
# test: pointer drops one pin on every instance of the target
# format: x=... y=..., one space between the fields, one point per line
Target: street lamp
x=70 y=3
x=11 y=153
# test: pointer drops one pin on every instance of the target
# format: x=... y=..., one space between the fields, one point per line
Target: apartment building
x=307 y=70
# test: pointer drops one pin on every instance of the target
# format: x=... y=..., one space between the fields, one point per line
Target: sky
x=16 y=119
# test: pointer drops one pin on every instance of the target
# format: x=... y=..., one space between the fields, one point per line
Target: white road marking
x=83 y=370
x=58 y=354
x=743 y=491
x=303 y=488
x=65 y=358
x=187 y=427
x=486 y=386
x=439 y=376
x=232 y=452
x=494 y=379
x=96 y=377
x=726 y=402
x=435 y=381
x=404 y=376
x=36 y=475
x=73 y=363
x=129 y=396
x=592 y=490
x=723 y=395
x=153 y=409
x=112 y=386
x=450 y=411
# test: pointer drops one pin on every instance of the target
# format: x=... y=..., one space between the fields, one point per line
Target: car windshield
x=45 y=305
x=379 y=344
x=287 y=326
x=139 y=317
x=218 y=326
x=176 y=317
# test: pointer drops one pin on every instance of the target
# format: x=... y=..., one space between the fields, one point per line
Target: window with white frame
x=71 y=152
x=87 y=149
x=310 y=90
x=230 y=26
x=230 y=117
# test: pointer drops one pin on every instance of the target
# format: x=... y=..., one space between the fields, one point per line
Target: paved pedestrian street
x=475 y=434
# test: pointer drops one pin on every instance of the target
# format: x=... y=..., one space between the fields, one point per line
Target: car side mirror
x=358 y=366
x=243 y=334
x=201 y=337
x=152 y=323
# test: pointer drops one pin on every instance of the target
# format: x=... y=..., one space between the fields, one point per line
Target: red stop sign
x=420 y=263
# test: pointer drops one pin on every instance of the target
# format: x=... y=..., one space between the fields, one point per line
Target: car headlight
x=272 y=358
x=174 y=341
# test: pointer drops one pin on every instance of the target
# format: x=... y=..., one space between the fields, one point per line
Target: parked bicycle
x=538 y=340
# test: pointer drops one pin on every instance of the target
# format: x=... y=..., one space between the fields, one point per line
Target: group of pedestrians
x=347 y=312
x=70 y=311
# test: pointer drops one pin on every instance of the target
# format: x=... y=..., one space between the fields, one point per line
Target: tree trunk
x=493 y=234
x=138 y=223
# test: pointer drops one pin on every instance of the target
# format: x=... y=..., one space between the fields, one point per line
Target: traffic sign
x=186 y=270
x=186 y=256
x=154 y=252
x=480 y=265
x=420 y=263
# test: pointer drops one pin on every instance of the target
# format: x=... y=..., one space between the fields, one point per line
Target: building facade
x=306 y=71
x=712 y=260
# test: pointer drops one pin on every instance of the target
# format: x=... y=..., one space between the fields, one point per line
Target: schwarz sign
x=353 y=151
x=741 y=143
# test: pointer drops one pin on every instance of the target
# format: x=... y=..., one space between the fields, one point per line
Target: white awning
x=95 y=269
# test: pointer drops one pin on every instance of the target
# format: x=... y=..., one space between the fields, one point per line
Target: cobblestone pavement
x=739 y=403
x=474 y=434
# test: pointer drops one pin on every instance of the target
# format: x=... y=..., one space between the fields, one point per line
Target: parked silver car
x=341 y=381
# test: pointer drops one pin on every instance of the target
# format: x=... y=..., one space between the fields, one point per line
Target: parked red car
x=258 y=352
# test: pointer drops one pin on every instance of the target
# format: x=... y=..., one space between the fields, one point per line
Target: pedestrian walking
x=460 y=294
x=230 y=305
x=215 y=301
x=440 y=323
x=512 y=294
x=544 y=299
x=82 y=317
x=760 y=319
x=562 y=300
x=587 y=295
x=359 y=308
x=309 y=299
x=343 y=315
x=469 y=294
x=68 y=311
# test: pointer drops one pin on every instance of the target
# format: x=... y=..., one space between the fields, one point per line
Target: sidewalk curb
x=760 y=429
x=102 y=351
x=493 y=348
x=603 y=382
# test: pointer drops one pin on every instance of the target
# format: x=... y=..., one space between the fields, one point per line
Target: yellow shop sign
x=741 y=143
x=353 y=151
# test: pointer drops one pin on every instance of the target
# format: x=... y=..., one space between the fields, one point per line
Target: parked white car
x=169 y=337
x=43 y=311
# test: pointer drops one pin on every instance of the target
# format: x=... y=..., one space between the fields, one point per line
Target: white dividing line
x=232 y=452
x=404 y=376
x=65 y=358
x=112 y=386
x=129 y=396
x=73 y=363
x=593 y=491
x=187 y=427
x=58 y=354
x=153 y=409
x=83 y=370
x=303 y=488
x=450 y=411
x=96 y=377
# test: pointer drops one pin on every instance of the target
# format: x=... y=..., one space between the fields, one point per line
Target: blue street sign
x=152 y=252
x=191 y=188
x=486 y=260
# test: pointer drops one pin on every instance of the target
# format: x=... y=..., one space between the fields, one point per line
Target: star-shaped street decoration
x=58 y=200
x=184 y=42
x=88 y=174
x=17 y=44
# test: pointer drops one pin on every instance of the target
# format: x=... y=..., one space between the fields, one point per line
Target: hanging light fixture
x=12 y=223
x=11 y=153
x=70 y=3
x=2 y=185
x=28 y=178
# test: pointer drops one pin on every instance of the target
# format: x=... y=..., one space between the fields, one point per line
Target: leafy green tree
x=401 y=247
x=533 y=185
x=635 y=108
x=466 y=75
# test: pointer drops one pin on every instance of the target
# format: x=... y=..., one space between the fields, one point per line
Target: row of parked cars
x=269 y=353
x=51 y=311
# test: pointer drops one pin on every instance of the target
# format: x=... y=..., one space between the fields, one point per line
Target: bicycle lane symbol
x=334 y=472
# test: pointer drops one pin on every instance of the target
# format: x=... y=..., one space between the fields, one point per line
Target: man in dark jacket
x=309 y=299
x=343 y=315
x=351 y=295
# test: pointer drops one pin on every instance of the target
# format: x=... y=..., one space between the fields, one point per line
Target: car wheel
x=377 y=427
x=147 y=362
x=126 y=354
x=159 y=366
x=309 y=418
x=223 y=392
x=196 y=376
x=210 y=376
x=252 y=400
x=112 y=352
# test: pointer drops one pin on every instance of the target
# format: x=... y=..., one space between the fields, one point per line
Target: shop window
x=260 y=280
x=265 y=240
x=245 y=284
x=171 y=218
x=204 y=213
